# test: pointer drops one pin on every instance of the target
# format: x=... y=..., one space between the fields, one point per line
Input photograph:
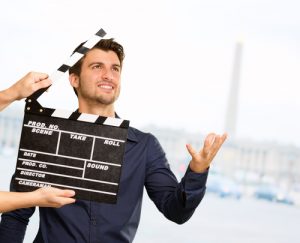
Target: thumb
x=191 y=150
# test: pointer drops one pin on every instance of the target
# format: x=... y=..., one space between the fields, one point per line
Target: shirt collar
x=131 y=134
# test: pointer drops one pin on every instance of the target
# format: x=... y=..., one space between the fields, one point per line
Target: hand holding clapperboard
x=72 y=150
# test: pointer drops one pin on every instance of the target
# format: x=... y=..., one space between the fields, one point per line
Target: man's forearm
x=190 y=192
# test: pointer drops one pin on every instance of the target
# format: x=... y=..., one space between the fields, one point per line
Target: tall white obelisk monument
x=232 y=105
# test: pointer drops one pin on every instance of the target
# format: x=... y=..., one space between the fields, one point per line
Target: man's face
x=99 y=80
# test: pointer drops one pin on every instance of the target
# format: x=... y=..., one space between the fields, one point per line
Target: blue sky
x=179 y=57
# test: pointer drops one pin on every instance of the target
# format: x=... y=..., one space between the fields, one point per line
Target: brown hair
x=103 y=44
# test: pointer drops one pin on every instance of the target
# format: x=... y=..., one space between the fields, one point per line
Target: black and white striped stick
x=73 y=59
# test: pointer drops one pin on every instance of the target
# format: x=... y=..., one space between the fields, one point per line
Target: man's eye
x=116 y=69
x=96 y=66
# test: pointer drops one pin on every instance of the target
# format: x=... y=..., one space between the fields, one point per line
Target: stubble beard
x=99 y=98
x=106 y=101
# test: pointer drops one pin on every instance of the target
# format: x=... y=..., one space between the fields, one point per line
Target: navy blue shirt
x=144 y=164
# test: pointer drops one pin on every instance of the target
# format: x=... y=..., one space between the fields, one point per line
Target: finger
x=217 y=144
x=64 y=201
x=43 y=84
x=222 y=140
x=40 y=76
x=208 y=142
x=65 y=193
x=191 y=150
x=60 y=201
x=68 y=193
x=224 y=137
x=211 y=138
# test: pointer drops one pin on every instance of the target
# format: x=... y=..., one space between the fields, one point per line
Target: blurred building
x=248 y=161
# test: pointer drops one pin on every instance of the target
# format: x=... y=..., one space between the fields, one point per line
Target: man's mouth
x=105 y=86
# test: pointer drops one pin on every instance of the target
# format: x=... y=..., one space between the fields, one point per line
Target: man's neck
x=100 y=110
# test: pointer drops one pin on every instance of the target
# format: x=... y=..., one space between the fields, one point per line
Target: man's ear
x=74 y=80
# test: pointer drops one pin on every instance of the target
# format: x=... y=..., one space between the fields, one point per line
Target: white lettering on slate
x=97 y=166
x=30 y=154
x=52 y=126
x=78 y=137
x=36 y=124
x=29 y=163
x=112 y=143
x=34 y=174
x=41 y=131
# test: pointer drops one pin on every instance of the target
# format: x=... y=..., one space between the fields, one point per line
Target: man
x=96 y=80
x=43 y=197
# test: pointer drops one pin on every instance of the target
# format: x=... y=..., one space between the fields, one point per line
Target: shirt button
x=94 y=221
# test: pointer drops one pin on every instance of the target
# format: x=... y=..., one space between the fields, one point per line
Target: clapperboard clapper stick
x=72 y=150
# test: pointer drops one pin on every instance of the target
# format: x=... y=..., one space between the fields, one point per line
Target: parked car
x=272 y=193
x=223 y=186
x=267 y=192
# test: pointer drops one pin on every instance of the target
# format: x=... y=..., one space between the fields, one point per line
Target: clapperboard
x=71 y=150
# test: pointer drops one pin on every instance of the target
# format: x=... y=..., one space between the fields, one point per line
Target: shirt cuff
x=194 y=185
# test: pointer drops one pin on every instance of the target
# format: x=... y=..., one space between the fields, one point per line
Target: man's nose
x=107 y=75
